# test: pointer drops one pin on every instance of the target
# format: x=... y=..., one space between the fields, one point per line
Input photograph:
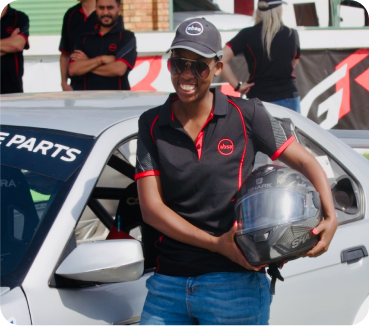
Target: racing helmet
x=276 y=209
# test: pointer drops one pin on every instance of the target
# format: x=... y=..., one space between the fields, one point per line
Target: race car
x=74 y=248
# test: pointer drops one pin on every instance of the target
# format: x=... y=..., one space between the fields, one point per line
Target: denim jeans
x=209 y=299
x=290 y=103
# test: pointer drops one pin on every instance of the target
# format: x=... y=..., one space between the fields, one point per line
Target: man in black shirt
x=14 y=38
x=105 y=56
x=77 y=20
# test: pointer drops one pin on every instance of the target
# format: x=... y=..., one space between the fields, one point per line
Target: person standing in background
x=105 y=56
x=13 y=39
x=77 y=20
x=272 y=51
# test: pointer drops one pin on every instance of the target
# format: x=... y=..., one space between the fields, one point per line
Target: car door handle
x=353 y=254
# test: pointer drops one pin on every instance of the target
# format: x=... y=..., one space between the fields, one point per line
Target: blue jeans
x=293 y=103
x=209 y=299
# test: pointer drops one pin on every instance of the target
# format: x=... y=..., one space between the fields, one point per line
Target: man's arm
x=83 y=66
x=14 y=43
x=64 y=63
x=113 y=69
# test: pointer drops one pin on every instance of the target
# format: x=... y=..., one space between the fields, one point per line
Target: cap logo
x=225 y=147
x=194 y=28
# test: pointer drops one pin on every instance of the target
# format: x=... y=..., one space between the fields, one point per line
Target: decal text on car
x=43 y=147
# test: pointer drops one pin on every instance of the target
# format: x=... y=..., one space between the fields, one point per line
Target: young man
x=77 y=20
x=14 y=38
x=105 y=56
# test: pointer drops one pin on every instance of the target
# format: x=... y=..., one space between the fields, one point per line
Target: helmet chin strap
x=274 y=273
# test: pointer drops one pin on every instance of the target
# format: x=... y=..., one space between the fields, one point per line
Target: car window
x=346 y=190
x=194 y=5
x=32 y=192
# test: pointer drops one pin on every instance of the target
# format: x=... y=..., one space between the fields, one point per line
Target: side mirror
x=104 y=262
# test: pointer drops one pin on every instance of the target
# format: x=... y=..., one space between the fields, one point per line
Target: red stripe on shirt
x=240 y=178
x=151 y=129
x=255 y=63
x=282 y=148
x=64 y=52
x=124 y=61
x=149 y=173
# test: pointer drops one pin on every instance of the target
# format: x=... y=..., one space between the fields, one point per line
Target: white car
x=74 y=248
x=224 y=21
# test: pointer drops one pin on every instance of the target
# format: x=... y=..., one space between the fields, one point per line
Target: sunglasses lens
x=200 y=69
x=176 y=65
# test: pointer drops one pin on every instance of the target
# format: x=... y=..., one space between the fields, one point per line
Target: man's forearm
x=82 y=67
x=12 y=44
x=64 y=63
x=113 y=69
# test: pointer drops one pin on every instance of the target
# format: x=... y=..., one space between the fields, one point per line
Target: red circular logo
x=96 y=26
x=112 y=47
x=10 y=29
x=225 y=146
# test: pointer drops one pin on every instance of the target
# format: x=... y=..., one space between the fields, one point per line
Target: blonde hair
x=271 y=24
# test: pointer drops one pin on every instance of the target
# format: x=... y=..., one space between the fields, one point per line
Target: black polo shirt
x=76 y=23
x=118 y=42
x=200 y=180
x=274 y=79
x=12 y=65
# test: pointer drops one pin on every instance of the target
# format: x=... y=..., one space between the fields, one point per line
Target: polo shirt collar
x=166 y=115
x=9 y=12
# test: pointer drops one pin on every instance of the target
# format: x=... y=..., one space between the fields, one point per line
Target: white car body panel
x=14 y=307
x=316 y=291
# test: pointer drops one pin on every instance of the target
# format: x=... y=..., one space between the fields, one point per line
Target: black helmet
x=276 y=209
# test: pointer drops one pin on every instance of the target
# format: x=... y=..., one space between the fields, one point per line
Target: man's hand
x=79 y=55
x=66 y=87
x=226 y=246
x=15 y=32
x=108 y=59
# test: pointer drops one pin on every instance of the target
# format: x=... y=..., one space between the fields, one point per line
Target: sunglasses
x=199 y=69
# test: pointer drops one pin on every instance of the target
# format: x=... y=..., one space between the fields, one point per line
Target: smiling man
x=105 y=56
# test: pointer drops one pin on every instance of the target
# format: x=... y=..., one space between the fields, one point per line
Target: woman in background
x=272 y=51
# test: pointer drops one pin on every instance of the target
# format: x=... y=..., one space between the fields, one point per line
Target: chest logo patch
x=10 y=29
x=225 y=147
x=112 y=47
x=96 y=26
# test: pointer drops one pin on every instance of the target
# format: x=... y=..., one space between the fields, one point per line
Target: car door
x=55 y=300
x=330 y=289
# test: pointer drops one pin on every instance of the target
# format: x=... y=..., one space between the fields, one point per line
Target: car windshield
x=194 y=5
x=35 y=180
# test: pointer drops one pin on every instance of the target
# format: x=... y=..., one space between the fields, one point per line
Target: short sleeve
x=79 y=44
x=126 y=51
x=23 y=24
x=64 y=45
x=237 y=44
x=146 y=155
x=297 y=44
x=269 y=135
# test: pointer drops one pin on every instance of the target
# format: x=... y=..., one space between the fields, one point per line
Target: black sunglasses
x=199 y=69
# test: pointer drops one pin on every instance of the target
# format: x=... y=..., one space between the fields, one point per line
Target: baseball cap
x=270 y=4
x=200 y=36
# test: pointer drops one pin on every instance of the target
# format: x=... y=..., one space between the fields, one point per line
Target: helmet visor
x=271 y=208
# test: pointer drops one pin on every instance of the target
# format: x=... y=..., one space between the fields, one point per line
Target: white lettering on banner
x=17 y=139
x=44 y=147
x=71 y=157
x=6 y=183
x=2 y=136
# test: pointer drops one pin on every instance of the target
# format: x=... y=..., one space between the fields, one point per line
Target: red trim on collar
x=82 y=12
